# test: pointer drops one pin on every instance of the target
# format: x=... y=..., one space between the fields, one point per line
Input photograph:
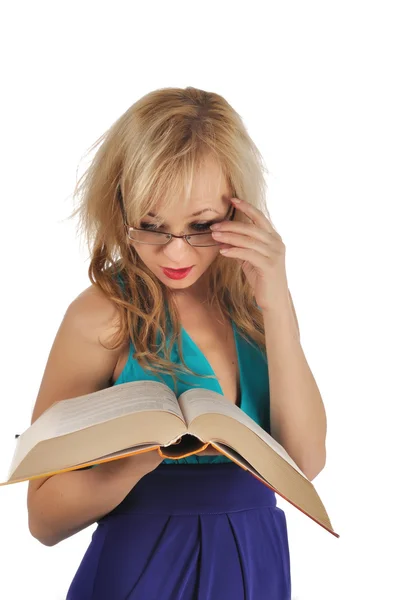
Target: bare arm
x=64 y=504
x=69 y=502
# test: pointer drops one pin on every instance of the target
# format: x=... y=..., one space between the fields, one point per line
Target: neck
x=190 y=296
x=196 y=293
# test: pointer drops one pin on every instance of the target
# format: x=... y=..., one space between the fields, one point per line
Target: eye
x=199 y=227
x=148 y=226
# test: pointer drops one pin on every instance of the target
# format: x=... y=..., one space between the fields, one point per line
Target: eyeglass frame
x=171 y=235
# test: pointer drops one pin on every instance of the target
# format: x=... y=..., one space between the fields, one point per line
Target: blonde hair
x=146 y=158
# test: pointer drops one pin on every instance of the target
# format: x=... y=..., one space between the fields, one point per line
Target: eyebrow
x=195 y=214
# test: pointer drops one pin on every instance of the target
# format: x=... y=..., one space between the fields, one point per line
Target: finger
x=224 y=246
x=247 y=229
x=245 y=254
x=243 y=241
x=253 y=213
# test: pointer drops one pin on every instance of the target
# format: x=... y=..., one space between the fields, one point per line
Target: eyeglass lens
x=157 y=238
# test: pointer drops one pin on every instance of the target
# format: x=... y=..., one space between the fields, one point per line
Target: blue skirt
x=189 y=532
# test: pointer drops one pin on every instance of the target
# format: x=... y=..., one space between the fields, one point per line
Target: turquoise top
x=254 y=382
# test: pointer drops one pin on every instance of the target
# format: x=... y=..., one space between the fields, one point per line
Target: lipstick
x=176 y=273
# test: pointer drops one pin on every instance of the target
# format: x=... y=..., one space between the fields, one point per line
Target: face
x=210 y=196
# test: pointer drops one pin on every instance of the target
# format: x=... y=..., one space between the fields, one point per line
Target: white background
x=316 y=85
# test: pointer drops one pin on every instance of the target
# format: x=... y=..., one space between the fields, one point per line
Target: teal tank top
x=254 y=382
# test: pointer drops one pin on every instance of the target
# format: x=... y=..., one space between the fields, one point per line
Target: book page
x=122 y=453
x=126 y=398
x=237 y=458
x=195 y=402
x=68 y=416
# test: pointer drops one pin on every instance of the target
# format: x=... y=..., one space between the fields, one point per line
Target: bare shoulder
x=95 y=313
x=80 y=360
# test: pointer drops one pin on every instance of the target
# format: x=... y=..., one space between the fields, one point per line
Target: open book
x=141 y=416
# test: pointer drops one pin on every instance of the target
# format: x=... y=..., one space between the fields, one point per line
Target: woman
x=187 y=284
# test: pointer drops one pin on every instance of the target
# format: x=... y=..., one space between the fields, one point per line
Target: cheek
x=145 y=253
x=209 y=255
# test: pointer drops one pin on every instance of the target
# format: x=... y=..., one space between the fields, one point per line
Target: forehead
x=208 y=189
x=208 y=181
x=201 y=208
x=204 y=210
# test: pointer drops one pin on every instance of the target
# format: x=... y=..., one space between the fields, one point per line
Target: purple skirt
x=189 y=532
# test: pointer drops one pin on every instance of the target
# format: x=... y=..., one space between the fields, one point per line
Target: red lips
x=176 y=273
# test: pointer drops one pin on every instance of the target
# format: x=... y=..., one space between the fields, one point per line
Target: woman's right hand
x=131 y=467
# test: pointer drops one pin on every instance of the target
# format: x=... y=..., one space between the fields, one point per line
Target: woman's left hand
x=260 y=251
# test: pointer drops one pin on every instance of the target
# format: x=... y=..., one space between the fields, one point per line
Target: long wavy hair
x=148 y=158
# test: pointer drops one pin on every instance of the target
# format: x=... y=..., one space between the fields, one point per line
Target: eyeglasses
x=159 y=238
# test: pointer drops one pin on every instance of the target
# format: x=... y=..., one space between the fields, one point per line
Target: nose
x=177 y=251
